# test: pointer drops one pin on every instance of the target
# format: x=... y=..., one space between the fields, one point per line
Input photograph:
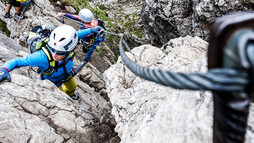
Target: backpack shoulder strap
x=52 y=62
x=101 y=23
x=41 y=44
x=72 y=54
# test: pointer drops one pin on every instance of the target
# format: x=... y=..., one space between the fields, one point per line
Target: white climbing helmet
x=63 y=38
x=86 y=15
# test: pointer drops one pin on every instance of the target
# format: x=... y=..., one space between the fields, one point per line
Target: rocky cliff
x=34 y=110
x=167 y=19
x=42 y=12
x=146 y=112
x=39 y=14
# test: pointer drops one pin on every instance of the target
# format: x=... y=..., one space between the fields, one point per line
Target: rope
x=225 y=79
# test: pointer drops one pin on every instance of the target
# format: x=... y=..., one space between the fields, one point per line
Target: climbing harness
x=38 y=39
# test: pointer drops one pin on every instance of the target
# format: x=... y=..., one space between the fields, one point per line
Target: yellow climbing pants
x=22 y=0
x=69 y=87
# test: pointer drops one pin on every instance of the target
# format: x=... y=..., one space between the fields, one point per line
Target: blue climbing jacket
x=39 y=59
x=90 y=39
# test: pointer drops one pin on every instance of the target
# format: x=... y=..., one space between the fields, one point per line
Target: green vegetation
x=102 y=7
x=166 y=52
x=129 y=25
x=99 y=51
x=102 y=50
x=4 y=28
x=77 y=4
x=112 y=25
x=100 y=13
x=116 y=57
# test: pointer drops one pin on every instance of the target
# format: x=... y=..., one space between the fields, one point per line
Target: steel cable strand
x=225 y=79
x=220 y=81
x=227 y=76
x=193 y=81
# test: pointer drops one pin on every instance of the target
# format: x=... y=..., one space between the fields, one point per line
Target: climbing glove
x=96 y=29
x=4 y=74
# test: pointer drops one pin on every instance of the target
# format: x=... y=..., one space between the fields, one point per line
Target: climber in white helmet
x=87 y=20
x=55 y=59
x=86 y=15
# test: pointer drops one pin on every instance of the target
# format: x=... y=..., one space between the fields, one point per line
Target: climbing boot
x=7 y=15
x=19 y=16
x=75 y=96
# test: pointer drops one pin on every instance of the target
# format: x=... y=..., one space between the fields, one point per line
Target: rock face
x=148 y=112
x=126 y=16
x=32 y=110
x=167 y=19
x=40 y=13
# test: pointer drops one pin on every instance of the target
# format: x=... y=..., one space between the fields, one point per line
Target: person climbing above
x=87 y=20
x=54 y=59
x=18 y=5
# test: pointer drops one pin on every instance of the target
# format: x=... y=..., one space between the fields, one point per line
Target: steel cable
x=224 y=79
x=105 y=31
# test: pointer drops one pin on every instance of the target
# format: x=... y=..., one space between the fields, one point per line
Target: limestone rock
x=70 y=9
x=148 y=112
x=164 y=20
x=34 y=110
x=40 y=13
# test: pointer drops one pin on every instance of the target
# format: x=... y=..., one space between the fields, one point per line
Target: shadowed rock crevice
x=188 y=17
